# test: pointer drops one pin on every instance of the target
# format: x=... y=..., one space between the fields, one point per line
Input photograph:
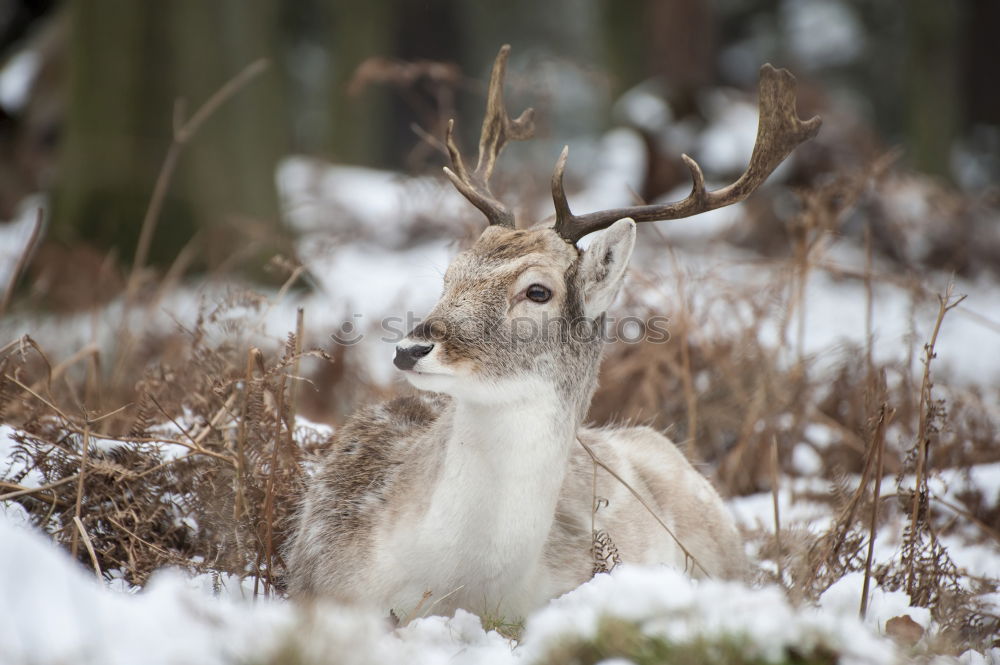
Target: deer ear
x=603 y=266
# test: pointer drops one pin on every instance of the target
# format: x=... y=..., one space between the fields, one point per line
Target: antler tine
x=498 y=128
x=779 y=132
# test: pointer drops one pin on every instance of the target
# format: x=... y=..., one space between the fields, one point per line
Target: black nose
x=407 y=356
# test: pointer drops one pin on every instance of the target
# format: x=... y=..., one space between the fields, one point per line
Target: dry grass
x=217 y=498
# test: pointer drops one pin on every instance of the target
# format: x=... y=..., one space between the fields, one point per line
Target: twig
x=90 y=547
x=195 y=446
x=645 y=505
x=945 y=304
x=428 y=594
x=269 y=491
x=26 y=340
x=869 y=306
x=22 y=263
x=182 y=134
x=241 y=436
x=58 y=370
x=293 y=277
x=777 y=513
x=25 y=491
x=73 y=427
x=226 y=408
x=98 y=419
x=145 y=542
x=428 y=138
x=81 y=477
x=178 y=267
x=39 y=398
x=987 y=529
x=846 y=517
x=687 y=382
x=293 y=395
x=884 y=417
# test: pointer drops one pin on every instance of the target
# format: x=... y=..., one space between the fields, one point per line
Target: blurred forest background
x=88 y=91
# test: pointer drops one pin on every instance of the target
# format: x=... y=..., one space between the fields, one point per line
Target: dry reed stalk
x=269 y=490
x=945 y=305
x=26 y=341
x=986 y=528
x=775 y=479
x=93 y=395
x=41 y=399
x=884 y=418
x=81 y=478
x=27 y=491
x=216 y=419
x=177 y=268
x=89 y=545
x=869 y=307
x=60 y=368
x=687 y=380
x=300 y=329
x=294 y=274
x=845 y=519
x=253 y=358
x=22 y=263
x=195 y=447
x=145 y=542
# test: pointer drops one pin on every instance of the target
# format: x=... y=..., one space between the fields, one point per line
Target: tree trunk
x=128 y=63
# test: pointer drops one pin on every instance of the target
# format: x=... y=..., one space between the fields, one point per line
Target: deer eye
x=538 y=293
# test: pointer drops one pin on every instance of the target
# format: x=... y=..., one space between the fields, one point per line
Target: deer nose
x=407 y=356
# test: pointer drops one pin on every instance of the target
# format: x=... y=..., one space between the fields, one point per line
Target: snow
x=805 y=460
x=611 y=171
x=667 y=604
x=822 y=33
x=991 y=657
x=14 y=237
x=729 y=139
x=52 y=611
x=844 y=597
x=16 y=78
x=10 y=466
x=645 y=107
x=353 y=200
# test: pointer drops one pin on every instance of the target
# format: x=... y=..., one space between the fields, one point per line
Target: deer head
x=523 y=306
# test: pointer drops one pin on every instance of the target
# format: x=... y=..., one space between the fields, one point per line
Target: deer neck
x=493 y=502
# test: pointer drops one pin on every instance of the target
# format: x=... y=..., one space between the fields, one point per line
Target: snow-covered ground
x=54 y=612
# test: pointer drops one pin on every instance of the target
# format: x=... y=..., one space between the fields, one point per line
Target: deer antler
x=779 y=131
x=498 y=128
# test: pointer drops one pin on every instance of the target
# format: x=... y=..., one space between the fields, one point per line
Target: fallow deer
x=487 y=492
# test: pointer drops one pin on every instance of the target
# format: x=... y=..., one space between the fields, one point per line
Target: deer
x=486 y=491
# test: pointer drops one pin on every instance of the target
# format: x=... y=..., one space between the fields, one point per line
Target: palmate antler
x=779 y=132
